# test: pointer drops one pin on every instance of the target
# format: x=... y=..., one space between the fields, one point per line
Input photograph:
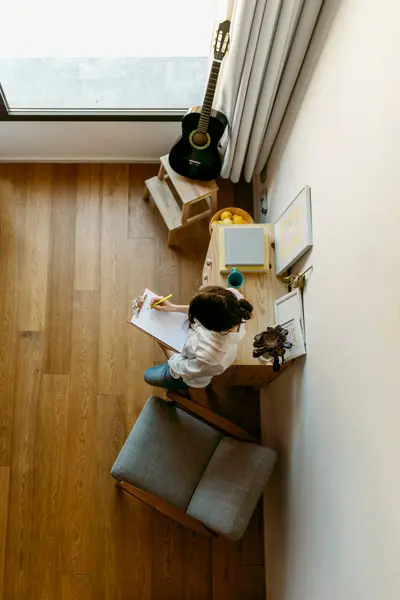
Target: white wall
x=334 y=503
x=86 y=142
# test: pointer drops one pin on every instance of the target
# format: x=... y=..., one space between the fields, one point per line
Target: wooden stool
x=180 y=201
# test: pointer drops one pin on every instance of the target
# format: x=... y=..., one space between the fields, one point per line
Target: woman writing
x=217 y=319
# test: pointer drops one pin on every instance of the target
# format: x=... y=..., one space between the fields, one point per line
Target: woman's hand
x=137 y=304
x=165 y=306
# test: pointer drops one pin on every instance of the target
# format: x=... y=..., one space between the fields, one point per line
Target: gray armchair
x=194 y=466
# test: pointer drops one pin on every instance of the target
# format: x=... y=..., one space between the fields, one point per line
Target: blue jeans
x=160 y=376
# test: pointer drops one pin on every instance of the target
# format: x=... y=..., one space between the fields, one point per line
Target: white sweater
x=205 y=354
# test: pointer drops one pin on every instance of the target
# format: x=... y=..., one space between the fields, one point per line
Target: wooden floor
x=76 y=244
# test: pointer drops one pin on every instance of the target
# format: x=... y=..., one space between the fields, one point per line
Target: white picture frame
x=288 y=307
x=289 y=314
x=293 y=231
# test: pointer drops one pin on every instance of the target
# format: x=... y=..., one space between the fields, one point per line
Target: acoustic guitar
x=196 y=154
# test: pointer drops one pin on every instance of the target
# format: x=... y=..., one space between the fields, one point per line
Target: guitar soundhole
x=199 y=140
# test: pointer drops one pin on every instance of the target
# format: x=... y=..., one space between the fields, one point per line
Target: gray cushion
x=231 y=486
x=166 y=452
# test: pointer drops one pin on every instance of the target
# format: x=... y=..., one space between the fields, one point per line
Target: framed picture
x=289 y=306
x=289 y=314
x=293 y=231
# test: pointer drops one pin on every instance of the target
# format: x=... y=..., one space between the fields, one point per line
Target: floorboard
x=77 y=243
x=141 y=274
x=34 y=240
x=140 y=220
x=61 y=270
x=231 y=577
x=80 y=475
x=21 y=545
x=12 y=196
x=197 y=566
x=4 y=488
x=167 y=567
x=88 y=228
x=108 y=523
x=113 y=279
x=52 y=459
x=76 y=587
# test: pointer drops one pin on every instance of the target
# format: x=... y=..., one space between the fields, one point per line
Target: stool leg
x=161 y=172
x=171 y=239
x=185 y=213
x=214 y=201
x=146 y=194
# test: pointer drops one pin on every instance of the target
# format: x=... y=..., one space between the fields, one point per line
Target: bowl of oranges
x=230 y=216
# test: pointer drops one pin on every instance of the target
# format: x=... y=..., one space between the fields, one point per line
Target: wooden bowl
x=235 y=211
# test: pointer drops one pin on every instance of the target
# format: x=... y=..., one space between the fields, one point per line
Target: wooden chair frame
x=209 y=417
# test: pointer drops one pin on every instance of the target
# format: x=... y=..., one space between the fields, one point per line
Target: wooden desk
x=261 y=290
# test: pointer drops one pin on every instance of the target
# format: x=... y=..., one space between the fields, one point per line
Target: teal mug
x=235 y=278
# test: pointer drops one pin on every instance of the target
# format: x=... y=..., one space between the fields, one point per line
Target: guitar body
x=195 y=155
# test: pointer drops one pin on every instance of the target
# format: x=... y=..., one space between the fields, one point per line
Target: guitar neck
x=209 y=97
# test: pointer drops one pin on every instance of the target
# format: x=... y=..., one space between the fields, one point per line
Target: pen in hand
x=159 y=301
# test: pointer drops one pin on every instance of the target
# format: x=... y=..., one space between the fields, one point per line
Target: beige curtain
x=268 y=42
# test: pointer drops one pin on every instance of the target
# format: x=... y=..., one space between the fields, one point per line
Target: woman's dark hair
x=218 y=309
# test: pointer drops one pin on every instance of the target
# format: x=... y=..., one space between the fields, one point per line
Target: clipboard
x=171 y=329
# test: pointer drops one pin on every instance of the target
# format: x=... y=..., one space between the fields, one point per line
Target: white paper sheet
x=169 y=328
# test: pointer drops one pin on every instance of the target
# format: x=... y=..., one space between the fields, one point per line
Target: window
x=85 y=57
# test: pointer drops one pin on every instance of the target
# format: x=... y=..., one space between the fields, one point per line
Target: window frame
x=8 y=114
